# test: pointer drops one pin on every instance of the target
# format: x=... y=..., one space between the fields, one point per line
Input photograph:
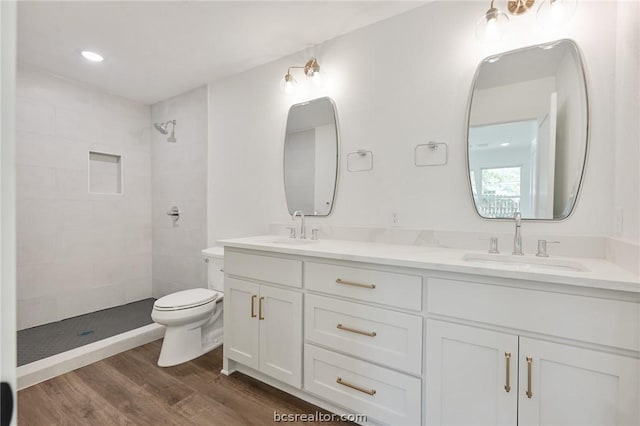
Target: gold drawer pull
x=260 y=317
x=341 y=281
x=529 y=362
x=353 y=330
x=253 y=305
x=358 y=388
x=507 y=357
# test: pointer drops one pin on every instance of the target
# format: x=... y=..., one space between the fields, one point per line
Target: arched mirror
x=527 y=134
x=311 y=157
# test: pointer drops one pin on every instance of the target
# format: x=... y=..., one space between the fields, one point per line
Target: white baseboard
x=47 y=368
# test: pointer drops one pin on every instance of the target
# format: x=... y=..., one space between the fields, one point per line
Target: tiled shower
x=92 y=196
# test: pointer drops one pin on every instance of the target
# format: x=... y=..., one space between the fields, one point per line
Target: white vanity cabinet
x=563 y=364
x=473 y=379
x=406 y=345
x=472 y=376
x=357 y=356
x=572 y=385
x=264 y=329
x=383 y=395
x=389 y=338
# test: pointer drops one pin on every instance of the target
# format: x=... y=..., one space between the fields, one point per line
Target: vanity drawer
x=390 y=338
x=387 y=288
x=589 y=319
x=384 y=395
x=264 y=268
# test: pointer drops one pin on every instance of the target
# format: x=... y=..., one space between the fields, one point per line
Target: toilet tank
x=214 y=258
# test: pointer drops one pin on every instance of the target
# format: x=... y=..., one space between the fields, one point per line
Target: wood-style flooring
x=130 y=389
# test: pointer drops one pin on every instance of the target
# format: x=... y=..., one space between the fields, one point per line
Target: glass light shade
x=288 y=84
x=316 y=78
x=555 y=13
x=492 y=25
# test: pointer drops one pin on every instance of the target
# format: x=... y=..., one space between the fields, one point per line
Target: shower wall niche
x=105 y=173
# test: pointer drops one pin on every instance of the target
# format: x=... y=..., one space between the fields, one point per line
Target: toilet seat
x=185 y=299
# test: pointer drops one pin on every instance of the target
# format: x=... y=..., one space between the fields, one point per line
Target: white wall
x=627 y=123
x=78 y=252
x=399 y=83
x=179 y=178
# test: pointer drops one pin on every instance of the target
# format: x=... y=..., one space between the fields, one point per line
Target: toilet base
x=187 y=342
x=180 y=345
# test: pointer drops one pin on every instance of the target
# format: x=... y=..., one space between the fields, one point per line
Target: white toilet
x=193 y=318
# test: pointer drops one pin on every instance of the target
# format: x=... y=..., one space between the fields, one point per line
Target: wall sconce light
x=494 y=23
x=311 y=70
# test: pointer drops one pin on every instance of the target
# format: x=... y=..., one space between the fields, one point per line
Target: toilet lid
x=185 y=299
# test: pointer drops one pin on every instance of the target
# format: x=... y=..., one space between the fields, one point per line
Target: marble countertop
x=600 y=273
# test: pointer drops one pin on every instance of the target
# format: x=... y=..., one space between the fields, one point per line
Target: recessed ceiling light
x=92 y=56
x=505 y=144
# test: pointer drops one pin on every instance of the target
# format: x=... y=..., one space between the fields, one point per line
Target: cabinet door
x=575 y=386
x=241 y=332
x=281 y=335
x=471 y=376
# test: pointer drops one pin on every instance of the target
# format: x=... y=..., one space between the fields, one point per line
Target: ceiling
x=156 y=50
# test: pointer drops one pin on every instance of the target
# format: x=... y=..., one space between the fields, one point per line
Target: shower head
x=164 y=129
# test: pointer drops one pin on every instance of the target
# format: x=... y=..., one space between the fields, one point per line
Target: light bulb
x=288 y=88
x=288 y=84
x=317 y=78
x=492 y=25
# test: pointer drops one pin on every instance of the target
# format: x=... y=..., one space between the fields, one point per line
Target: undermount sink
x=293 y=241
x=525 y=262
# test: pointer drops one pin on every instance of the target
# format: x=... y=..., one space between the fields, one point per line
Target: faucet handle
x=493 y=245
x=542 y=247
x=292 y=231
x=314 y=234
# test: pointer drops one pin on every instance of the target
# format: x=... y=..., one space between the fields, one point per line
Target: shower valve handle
x=174 y=212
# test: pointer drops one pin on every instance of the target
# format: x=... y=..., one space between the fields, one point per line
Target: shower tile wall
x=78 y=252
x=179 y=178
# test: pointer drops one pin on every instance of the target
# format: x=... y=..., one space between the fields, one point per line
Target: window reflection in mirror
x=311 y=157
x=527 y=132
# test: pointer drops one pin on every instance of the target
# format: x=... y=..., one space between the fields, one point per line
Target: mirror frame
x=335 y=186
x=587 y=135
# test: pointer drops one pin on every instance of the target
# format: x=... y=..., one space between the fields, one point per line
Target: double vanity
x=413 y=335
x=425 y=335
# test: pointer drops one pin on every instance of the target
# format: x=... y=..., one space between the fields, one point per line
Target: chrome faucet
x=517 y=239
x=303 y=235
